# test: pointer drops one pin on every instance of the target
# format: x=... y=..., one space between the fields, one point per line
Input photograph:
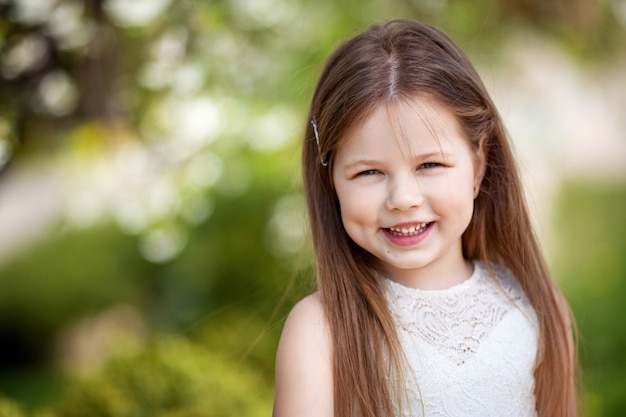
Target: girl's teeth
x=408 y=230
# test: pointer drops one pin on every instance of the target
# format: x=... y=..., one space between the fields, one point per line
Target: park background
x=152 y=228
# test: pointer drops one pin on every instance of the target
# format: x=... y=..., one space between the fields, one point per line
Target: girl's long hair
x=400 y=60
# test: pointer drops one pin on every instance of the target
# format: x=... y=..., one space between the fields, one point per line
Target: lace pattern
x=470 y=348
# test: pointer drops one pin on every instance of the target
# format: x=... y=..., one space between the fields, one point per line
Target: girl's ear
x=480 y=164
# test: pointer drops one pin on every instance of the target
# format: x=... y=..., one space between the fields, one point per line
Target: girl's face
x=406 y=180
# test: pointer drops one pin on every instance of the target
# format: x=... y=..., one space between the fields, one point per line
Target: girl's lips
x=407 y=235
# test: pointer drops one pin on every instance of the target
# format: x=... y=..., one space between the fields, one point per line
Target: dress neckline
x=454 y=289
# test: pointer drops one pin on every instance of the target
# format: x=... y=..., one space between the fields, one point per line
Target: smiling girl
x=433 y=296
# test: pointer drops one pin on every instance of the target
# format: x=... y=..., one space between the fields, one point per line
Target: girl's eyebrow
x=434 y=154
x=361 y=162
x=421 y=156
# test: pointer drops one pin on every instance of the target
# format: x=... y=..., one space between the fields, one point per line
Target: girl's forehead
x=413 y=123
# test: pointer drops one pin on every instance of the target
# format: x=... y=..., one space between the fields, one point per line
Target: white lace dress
x=470 y=348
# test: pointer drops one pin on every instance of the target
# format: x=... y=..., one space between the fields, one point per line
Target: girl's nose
x=404 y=193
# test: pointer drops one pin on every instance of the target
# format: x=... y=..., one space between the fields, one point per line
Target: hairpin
x=317 y=140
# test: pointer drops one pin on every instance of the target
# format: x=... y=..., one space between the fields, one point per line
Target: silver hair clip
x=324 y=160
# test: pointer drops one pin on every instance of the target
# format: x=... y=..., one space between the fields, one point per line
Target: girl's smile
x=406 y=180
x=408 y=234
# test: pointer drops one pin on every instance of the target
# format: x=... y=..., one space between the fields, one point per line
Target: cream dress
x=470 y=349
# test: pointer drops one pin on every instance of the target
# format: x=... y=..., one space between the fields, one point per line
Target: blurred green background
x=152 y=229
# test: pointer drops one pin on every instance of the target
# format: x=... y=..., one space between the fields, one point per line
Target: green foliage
x=76 y=273
x=223 y=292
x=591 y=267
x=171 y=377
x=10 y=408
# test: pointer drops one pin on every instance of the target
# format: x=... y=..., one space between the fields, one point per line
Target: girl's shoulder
x=304 y=384
x=310 y=305
x=307 y=319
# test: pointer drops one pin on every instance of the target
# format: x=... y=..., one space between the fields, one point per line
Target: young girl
x=434 y=298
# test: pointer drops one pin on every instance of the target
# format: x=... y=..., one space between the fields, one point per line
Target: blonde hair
x=397 y=61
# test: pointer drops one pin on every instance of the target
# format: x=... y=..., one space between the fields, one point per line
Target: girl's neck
x=435 y=276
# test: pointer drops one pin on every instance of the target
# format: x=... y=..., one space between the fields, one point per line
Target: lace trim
x=457 y=320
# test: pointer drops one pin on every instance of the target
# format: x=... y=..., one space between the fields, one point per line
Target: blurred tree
x=591 y=264
x=66 y=62
x=171 y=377
x=10 y=408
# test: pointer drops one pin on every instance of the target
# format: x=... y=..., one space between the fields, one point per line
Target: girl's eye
x=427 y=165
x=368 y=172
